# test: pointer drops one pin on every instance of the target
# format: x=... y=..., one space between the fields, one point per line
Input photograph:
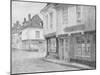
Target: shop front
x=77 y=45
x=64 y=47
x=52 y=48
x=83 y=50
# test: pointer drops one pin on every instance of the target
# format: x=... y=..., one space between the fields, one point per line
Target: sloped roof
x=34 y=22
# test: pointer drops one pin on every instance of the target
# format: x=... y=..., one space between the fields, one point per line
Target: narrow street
x=29 y=62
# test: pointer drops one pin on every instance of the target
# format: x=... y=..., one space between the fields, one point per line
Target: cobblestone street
x=29 y=62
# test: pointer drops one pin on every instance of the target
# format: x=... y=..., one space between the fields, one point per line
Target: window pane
x=78 y=50
x=87 y=50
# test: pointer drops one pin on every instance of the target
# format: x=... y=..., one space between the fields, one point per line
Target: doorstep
x=71 y=64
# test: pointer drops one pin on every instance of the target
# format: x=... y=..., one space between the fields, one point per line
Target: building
x=70 y=32
x=32 y=33
x=16 y=36
x=49 y=26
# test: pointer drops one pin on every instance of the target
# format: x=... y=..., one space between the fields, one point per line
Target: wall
x=87 y=18
x=47 y=28
x=71 y=18
x=29 y=33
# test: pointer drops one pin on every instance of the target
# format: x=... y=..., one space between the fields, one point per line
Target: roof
x=48 y=6
x=55 y=5
x=34 y=23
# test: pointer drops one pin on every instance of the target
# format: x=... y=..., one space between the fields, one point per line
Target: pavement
x=32 y=62
x=71 y=64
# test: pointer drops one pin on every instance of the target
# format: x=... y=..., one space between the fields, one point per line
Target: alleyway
x=27 y=62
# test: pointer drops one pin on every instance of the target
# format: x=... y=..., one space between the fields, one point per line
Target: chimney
x=29 y=17
x=24 y=20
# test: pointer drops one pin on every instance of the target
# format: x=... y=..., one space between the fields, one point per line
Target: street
x=30 y=62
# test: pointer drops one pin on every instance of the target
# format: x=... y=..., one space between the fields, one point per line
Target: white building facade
x=73 y=30
x=32 y=34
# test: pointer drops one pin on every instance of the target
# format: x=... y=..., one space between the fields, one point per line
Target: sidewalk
x=75 y=65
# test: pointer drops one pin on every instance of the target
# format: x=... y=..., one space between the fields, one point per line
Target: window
x=51 y=19
x=52 y=45
x=83 y=47
x=65 y=15
x=78 y=13
x=47 y=21
x=37 y=34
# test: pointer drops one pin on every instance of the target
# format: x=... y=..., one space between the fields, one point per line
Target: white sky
x=22 y=9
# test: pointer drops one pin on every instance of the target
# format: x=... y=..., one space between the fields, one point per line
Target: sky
x=22 y=9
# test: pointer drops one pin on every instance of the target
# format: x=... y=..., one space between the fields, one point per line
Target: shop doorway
x=64 y=49
x=61 y=48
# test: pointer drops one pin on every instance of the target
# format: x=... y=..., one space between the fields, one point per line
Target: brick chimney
x=29 y=17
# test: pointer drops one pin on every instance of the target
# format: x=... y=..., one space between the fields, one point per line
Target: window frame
x=82 y=49
x=78 y=13
x=65 y=15
x=51 y=19
x=46 y=21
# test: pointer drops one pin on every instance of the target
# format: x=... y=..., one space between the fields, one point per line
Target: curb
x=70 y=65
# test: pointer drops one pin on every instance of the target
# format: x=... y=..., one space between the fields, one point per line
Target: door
x=66 y=49
x=61 y=48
